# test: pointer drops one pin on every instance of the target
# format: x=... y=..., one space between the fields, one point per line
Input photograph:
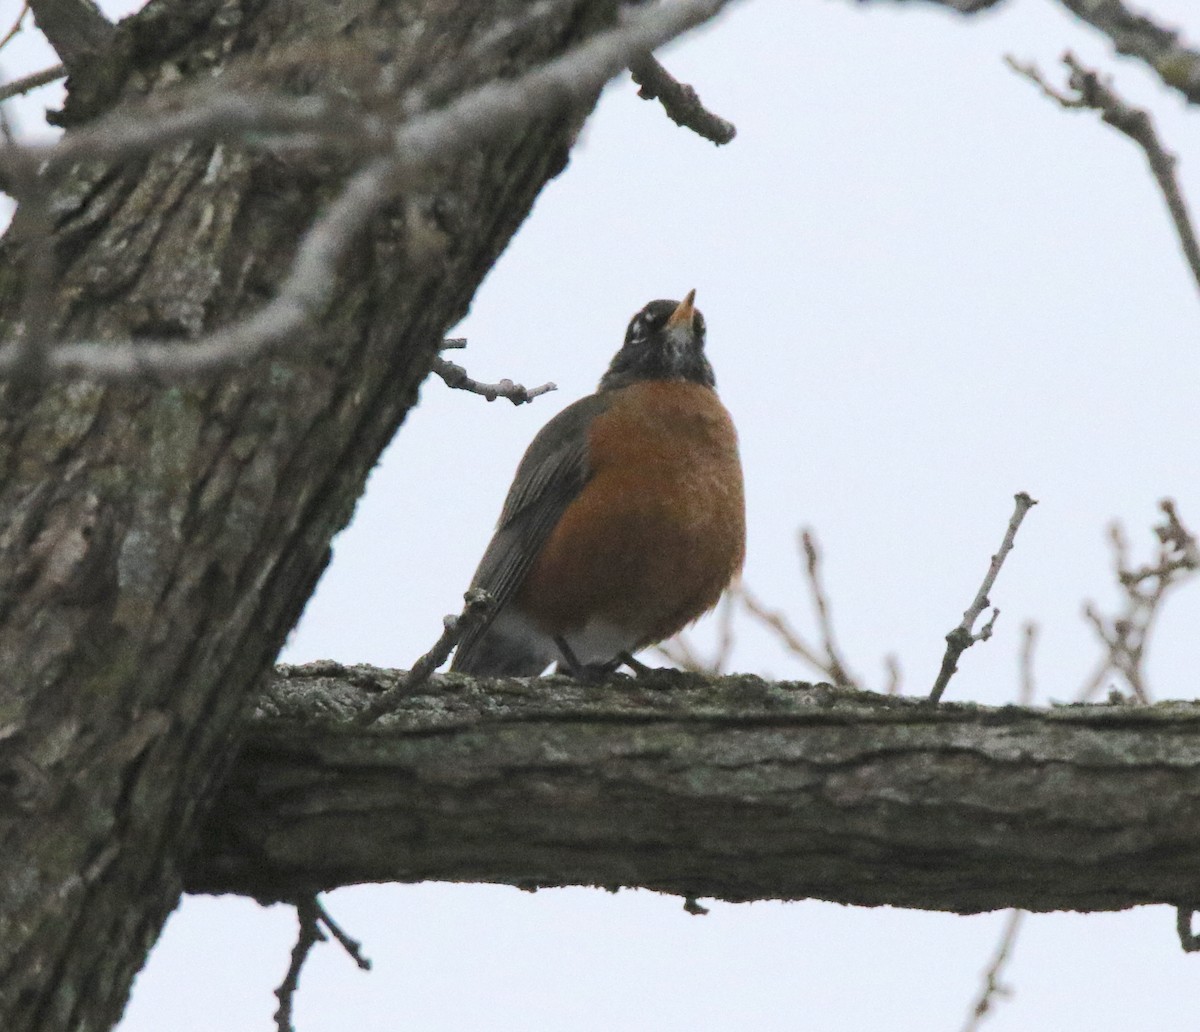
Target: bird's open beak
x=684 y=311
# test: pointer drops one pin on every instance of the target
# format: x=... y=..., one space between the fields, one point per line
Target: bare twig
x=31 y=82
x=1137 y=36
x=679 y=100
x=993 y=989
x=455 y=376
x=824 y=658
x=1029 y=635
x=680 y=651
x=789 y=637
x=352 y=947
x=1188 y=940
x=1097 y=94
x=413 y=147
x=17 y=25
x=1126 y=636
x=307 y=937
x=74 y=28
x=963 y=636
x=891 y=664
x=834 y=663
x=311 y=916
x=477 y=605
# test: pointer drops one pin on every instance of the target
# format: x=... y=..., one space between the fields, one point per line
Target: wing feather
x=552 y=472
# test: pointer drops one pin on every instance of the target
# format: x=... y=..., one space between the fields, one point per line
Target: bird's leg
x=576 y=669
x=590 y=672
x=636 y=665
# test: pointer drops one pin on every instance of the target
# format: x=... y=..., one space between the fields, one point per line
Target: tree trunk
x=157 y=542
x=731 y=788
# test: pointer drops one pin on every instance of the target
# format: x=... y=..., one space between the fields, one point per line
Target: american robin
x=626 y=519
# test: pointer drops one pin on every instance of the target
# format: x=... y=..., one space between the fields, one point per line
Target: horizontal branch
x=732 y=788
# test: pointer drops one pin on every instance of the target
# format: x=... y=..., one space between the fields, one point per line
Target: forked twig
x=311 y=916
x=1126 y=636
x=1092 y=92
x=963 y=636
x=477 y=606
x=993 y=989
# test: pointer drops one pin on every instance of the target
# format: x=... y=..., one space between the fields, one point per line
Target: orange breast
x=658 y=531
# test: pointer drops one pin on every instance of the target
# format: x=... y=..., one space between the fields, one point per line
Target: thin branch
x=1097 y=94
x=1126 y=636
x=1188 y=940
x=17 y=26
x=455 y=377
x=311 y=916
x=789 y=637
x=31 y=82
x=895 y=680
x=75 y=28
x=477 y=605
x=414 y=146
x=725 y=636
x=679 y=100
x=1135 y=35
x=993 y=988
x=680 y=651
x=307 y=937
x=352 y=946
x=963 y=636
x=1029 y=636
x=835 y=664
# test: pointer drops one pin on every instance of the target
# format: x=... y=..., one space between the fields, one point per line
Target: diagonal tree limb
x=75 y=28
x=413 y=148
x=1096 y=94
x=1136 y=35
x=963 y=636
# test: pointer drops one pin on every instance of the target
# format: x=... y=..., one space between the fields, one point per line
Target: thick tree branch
x=709 y=787
x=31 y=82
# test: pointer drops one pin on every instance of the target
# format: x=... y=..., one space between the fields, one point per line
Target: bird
x=626 y=518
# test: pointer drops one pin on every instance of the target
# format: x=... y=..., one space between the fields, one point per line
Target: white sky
x=926 y=289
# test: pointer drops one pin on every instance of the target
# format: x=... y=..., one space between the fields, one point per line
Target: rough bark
x=731 y=788
x=157 y=542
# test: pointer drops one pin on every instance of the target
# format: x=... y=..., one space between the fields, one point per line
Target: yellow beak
x=682 y=316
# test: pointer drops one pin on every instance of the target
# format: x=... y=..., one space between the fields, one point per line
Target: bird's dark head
x=665 y=341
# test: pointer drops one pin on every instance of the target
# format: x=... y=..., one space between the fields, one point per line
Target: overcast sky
x=926 y=288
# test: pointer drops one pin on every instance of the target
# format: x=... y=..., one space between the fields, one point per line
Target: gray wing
x=552 y=472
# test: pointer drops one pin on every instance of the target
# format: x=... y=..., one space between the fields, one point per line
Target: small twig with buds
x=1127 y=635
x=1092 y=92
x=963 y=636
x=312 y=916
x=477 y=607
x=679 y=100
x=455 y=377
